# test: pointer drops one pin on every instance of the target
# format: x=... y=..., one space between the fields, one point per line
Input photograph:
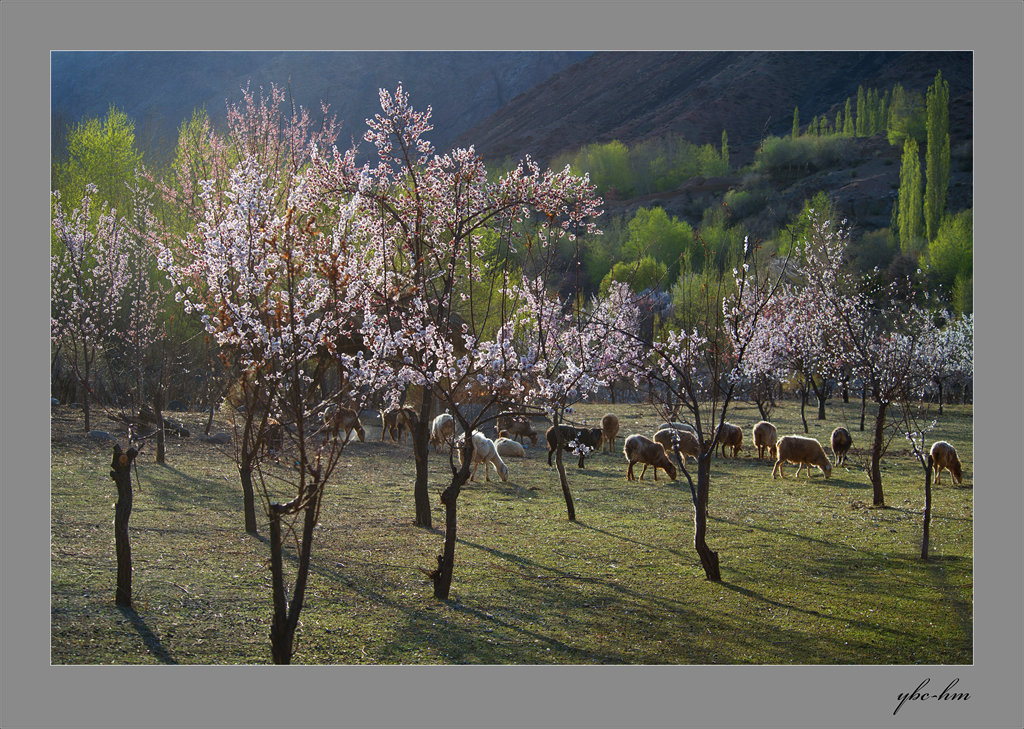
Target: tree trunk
x=863 y=404
x=158 y=413
x=846 y=394
x=120 y=472
x=803 y=408
x=442 y=576
x=876 y=457
x=248 y=494
x=940 y=397
x=421 y=453
x=85 y=395
x=822 y=395
x=927 y=506
x=564 y=481
x=708 y=558
x=280 y=642
x=286 y=616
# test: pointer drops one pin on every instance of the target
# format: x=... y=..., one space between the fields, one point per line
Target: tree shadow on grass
x=655 y=547
x=149 y=638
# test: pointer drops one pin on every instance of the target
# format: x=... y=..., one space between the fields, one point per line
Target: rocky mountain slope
x=642 y=95
x=160 y=89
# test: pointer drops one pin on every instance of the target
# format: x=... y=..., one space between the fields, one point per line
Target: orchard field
x=811 y=573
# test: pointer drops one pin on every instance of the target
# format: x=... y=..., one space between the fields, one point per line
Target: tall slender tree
x=910 y=219
x=936 y=155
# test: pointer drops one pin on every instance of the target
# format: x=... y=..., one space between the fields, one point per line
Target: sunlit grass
x=811 y=573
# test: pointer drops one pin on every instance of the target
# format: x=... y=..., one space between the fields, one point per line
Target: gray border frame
x=34 y=694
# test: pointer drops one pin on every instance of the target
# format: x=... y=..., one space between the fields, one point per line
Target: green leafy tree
x=796 y=121
x=936 y=155
x=848 y=127
x=906 y=116
x=652 y=232
x=640 y=275
x=725 y=150
x=861 y=125
x=951 y=253
x=101 y=153
x=910 y=219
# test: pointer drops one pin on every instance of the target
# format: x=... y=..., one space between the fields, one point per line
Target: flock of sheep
x=802 y=451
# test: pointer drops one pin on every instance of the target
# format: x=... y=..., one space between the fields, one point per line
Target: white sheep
x=678 y=426
x=509 y=448
x=485 y=452
x=442 y=430
x=802 y=451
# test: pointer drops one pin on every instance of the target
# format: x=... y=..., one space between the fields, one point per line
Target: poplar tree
x=862 y=115
x=796 y=122
x=910 y=217
x=848 y=117
x=936 y=155
x=725 y=150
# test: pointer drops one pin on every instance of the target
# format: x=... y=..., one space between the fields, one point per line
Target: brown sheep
x=273 y=436
x=731 y=436
x=639 y=449
x=842 y=441
x=802 y=451
x=345 y=419
x=610 y=431
x=683 y=439
x=944 y=456
x=397 y=421
x=517 y=428
x=765 y=434
x=588 y=437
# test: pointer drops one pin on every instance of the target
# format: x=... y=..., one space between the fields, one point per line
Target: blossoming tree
x=702 y=366
x=90 y=276
x=273 y=295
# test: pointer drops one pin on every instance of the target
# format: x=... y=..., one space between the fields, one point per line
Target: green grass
x=811 y=574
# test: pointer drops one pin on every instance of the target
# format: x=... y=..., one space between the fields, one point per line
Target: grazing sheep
x=273 y=436
x=683 y=439
x=517 y=428
x=639 y=449
x=802 y=451
x=395 y=422
x=765 y=434
x=944 y=456
x=588 y=437
x=442 y=430
x=610 y=430
x=678 y=426
x=485 y=452
x=345 y=419
x=731 y=436
x=841 y=443
x=509 y=448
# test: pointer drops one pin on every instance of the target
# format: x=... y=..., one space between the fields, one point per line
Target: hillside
x=160 y=89
x=645 y=95
x=509 y=104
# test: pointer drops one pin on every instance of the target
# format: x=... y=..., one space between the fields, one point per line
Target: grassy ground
x=810 y=573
